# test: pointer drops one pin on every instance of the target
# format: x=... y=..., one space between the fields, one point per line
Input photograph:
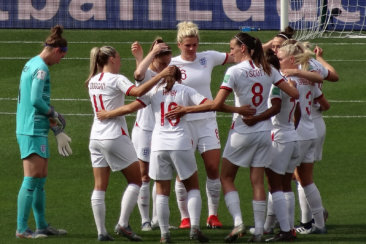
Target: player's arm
x=144 y=88
x=309 y=75
x=332 y=75
x=123 y=110
x=273 y=110
x=137 y=52
x=289 y=88
x=323 y=102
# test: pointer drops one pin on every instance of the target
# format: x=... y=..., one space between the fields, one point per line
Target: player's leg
x=143 y=201
x=182 y=197
x=162 y=207
x=259 y=199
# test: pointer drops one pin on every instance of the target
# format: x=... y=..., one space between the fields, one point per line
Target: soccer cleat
x=265 y=232
x=127 y=232
x=29 y=234
x=105 y=237
x=185 y=223
x=237 y=232
x=146 y=226
x=51 y=231
x=154 y=225
x=293 y=232
x=282 y=237
x=317 y=230
x=196 y=234
x=303 y=231
x=165 y=238
x=256 y=238
x=213 y=222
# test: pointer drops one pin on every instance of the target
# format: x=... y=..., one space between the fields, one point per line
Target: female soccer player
x=171 y=149
x=196 y=68
x=110 y=146
x=33 y=120
x=279 y=39
x=158 y=58
x=249 y=141
x=288 y=56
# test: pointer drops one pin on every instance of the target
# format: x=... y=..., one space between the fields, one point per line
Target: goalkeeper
x=34 y=118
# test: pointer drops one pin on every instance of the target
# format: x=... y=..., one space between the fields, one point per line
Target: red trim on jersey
x=272 y=136
x=226 y=58
x=143 y=104
x=136 y=124
x=326 y=78
x=101 y=76
x=226 y=88
x=123 y=132
x=129 y=89
x=276 y=98
x=322 y=95
x=203 y=101
x=251 y=64
x=279 y=82
x=232 y=125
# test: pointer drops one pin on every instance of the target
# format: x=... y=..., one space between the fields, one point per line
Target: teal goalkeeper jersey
x=33 y=99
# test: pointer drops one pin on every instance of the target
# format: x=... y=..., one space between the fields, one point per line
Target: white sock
x=194 y=206
x=213 y=188
x=290 y=203
x=304 y=207
x=315 y=202
x=129 y=200
x=163 y=212
x=98 y=206
x=182 y=195
x=233 y=205
x=280 y=209
x=259 y=210
x=271 y=217
x=154 y=217
x=143 y=202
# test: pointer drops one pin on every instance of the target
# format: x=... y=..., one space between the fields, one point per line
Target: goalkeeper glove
x=63 y=141
x=57 y=117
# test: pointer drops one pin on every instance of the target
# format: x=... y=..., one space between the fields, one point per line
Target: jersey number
x=308 y=98
x=257 y=90
x=96 y=102
x=171 y=106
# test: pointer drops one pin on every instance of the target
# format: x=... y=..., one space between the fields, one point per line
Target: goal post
x=324 y=18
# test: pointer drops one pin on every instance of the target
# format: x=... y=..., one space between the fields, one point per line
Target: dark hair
x=287 y=34
x=272 y=58
x=162 y=52
x=176 y=77
x=55 y=39
x=255 y=50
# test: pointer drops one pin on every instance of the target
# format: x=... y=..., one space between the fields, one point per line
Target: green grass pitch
x=339 y=176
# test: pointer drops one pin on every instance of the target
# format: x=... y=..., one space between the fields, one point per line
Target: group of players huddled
x=277 y=130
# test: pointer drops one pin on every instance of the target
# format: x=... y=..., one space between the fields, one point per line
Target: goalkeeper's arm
x=56 y=118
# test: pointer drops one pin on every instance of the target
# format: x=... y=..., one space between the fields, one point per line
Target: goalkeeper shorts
x=33 y=144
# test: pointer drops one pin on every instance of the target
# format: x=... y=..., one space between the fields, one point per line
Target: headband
x=63 y=49
x=283 y=36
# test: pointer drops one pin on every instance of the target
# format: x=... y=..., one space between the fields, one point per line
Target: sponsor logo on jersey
x=276 y=91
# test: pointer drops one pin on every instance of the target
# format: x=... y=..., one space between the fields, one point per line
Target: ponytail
x=55 y=39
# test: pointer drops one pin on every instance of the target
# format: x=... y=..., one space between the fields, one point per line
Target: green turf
x=339 y=176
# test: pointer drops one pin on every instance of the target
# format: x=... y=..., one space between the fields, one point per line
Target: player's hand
x=290 y=72
x=168 y=71
x=176 y=113
x=318 y=52
x=57 y=118
x=63 y=144
x=102 y=115
x=159 y=47
x=247 y=110
x=250 y=120
x=137 y=51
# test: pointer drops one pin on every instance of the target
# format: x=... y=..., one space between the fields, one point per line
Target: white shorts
x=319 y=141
x=116 y=153
x=284 y=157
x=307 y=150
x=248 y=149
x=141 y=140
x=205 y=134
x=163 y=163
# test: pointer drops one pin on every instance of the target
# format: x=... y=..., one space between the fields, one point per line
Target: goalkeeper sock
x=39 y=204
x=25 y=199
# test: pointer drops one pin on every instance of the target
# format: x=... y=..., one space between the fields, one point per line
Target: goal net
x=327 y=18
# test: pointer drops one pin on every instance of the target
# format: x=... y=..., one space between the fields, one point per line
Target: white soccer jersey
x=197 y=74
x=316 y=66
x=171 y=134
x=107 y=91
x=308 y=92
x=145 y=117
x=283 y=123
x=251 y=86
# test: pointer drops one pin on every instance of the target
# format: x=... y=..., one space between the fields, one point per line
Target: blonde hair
x=99 y=57
x=187 y=29
x=301 y=53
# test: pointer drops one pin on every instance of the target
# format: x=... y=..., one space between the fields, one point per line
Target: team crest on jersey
x=203 y=61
